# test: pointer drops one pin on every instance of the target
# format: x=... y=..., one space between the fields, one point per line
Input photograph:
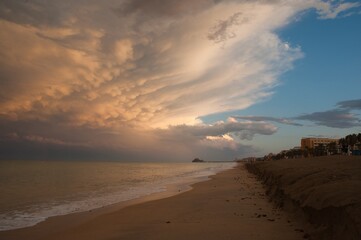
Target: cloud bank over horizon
x=341 y=117
x=134 y=77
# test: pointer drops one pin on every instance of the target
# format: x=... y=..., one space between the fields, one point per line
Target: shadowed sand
x=323 y=191
x=232 y=205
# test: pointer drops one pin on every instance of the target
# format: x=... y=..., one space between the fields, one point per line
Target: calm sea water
x=32 y=191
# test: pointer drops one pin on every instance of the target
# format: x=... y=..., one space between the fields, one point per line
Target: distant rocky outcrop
x=197 y=160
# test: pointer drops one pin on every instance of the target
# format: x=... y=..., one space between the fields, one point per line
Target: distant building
x=314 y=142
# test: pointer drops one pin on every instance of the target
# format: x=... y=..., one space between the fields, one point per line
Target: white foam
x=39 y=213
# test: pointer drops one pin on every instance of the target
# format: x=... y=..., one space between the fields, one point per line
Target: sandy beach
x=232 y=205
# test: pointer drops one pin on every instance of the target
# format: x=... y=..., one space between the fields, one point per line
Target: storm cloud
x=118 y=76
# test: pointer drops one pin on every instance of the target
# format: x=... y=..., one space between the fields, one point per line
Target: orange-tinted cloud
x=141 y=71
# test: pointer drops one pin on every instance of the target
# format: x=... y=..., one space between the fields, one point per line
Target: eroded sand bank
x=323 y=191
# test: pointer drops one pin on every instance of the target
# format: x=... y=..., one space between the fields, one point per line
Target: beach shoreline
x=63 y=221
x=232 y=203
x=82 y=187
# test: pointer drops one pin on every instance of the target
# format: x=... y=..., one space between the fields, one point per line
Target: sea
x=32 y=191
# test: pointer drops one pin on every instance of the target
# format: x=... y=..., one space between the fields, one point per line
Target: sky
x=167 y=80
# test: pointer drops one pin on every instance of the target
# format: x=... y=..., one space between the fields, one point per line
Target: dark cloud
x=336 y=118
x=271 y=119
x=220 y=129
x=51 y=139
x=33 y=139
x=341 y=117
x=164 y=8
x=214 y=142
x=80 y=14
x=34 y=12
x=350 y=104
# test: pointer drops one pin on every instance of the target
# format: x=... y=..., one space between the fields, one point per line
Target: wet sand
x=232 y=205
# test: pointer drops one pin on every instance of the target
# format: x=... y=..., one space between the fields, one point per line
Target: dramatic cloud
x=221 y=137
x=175 y=143
x=270 y=119
x=221 y=128
x=130 y=68
x=220 y=132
